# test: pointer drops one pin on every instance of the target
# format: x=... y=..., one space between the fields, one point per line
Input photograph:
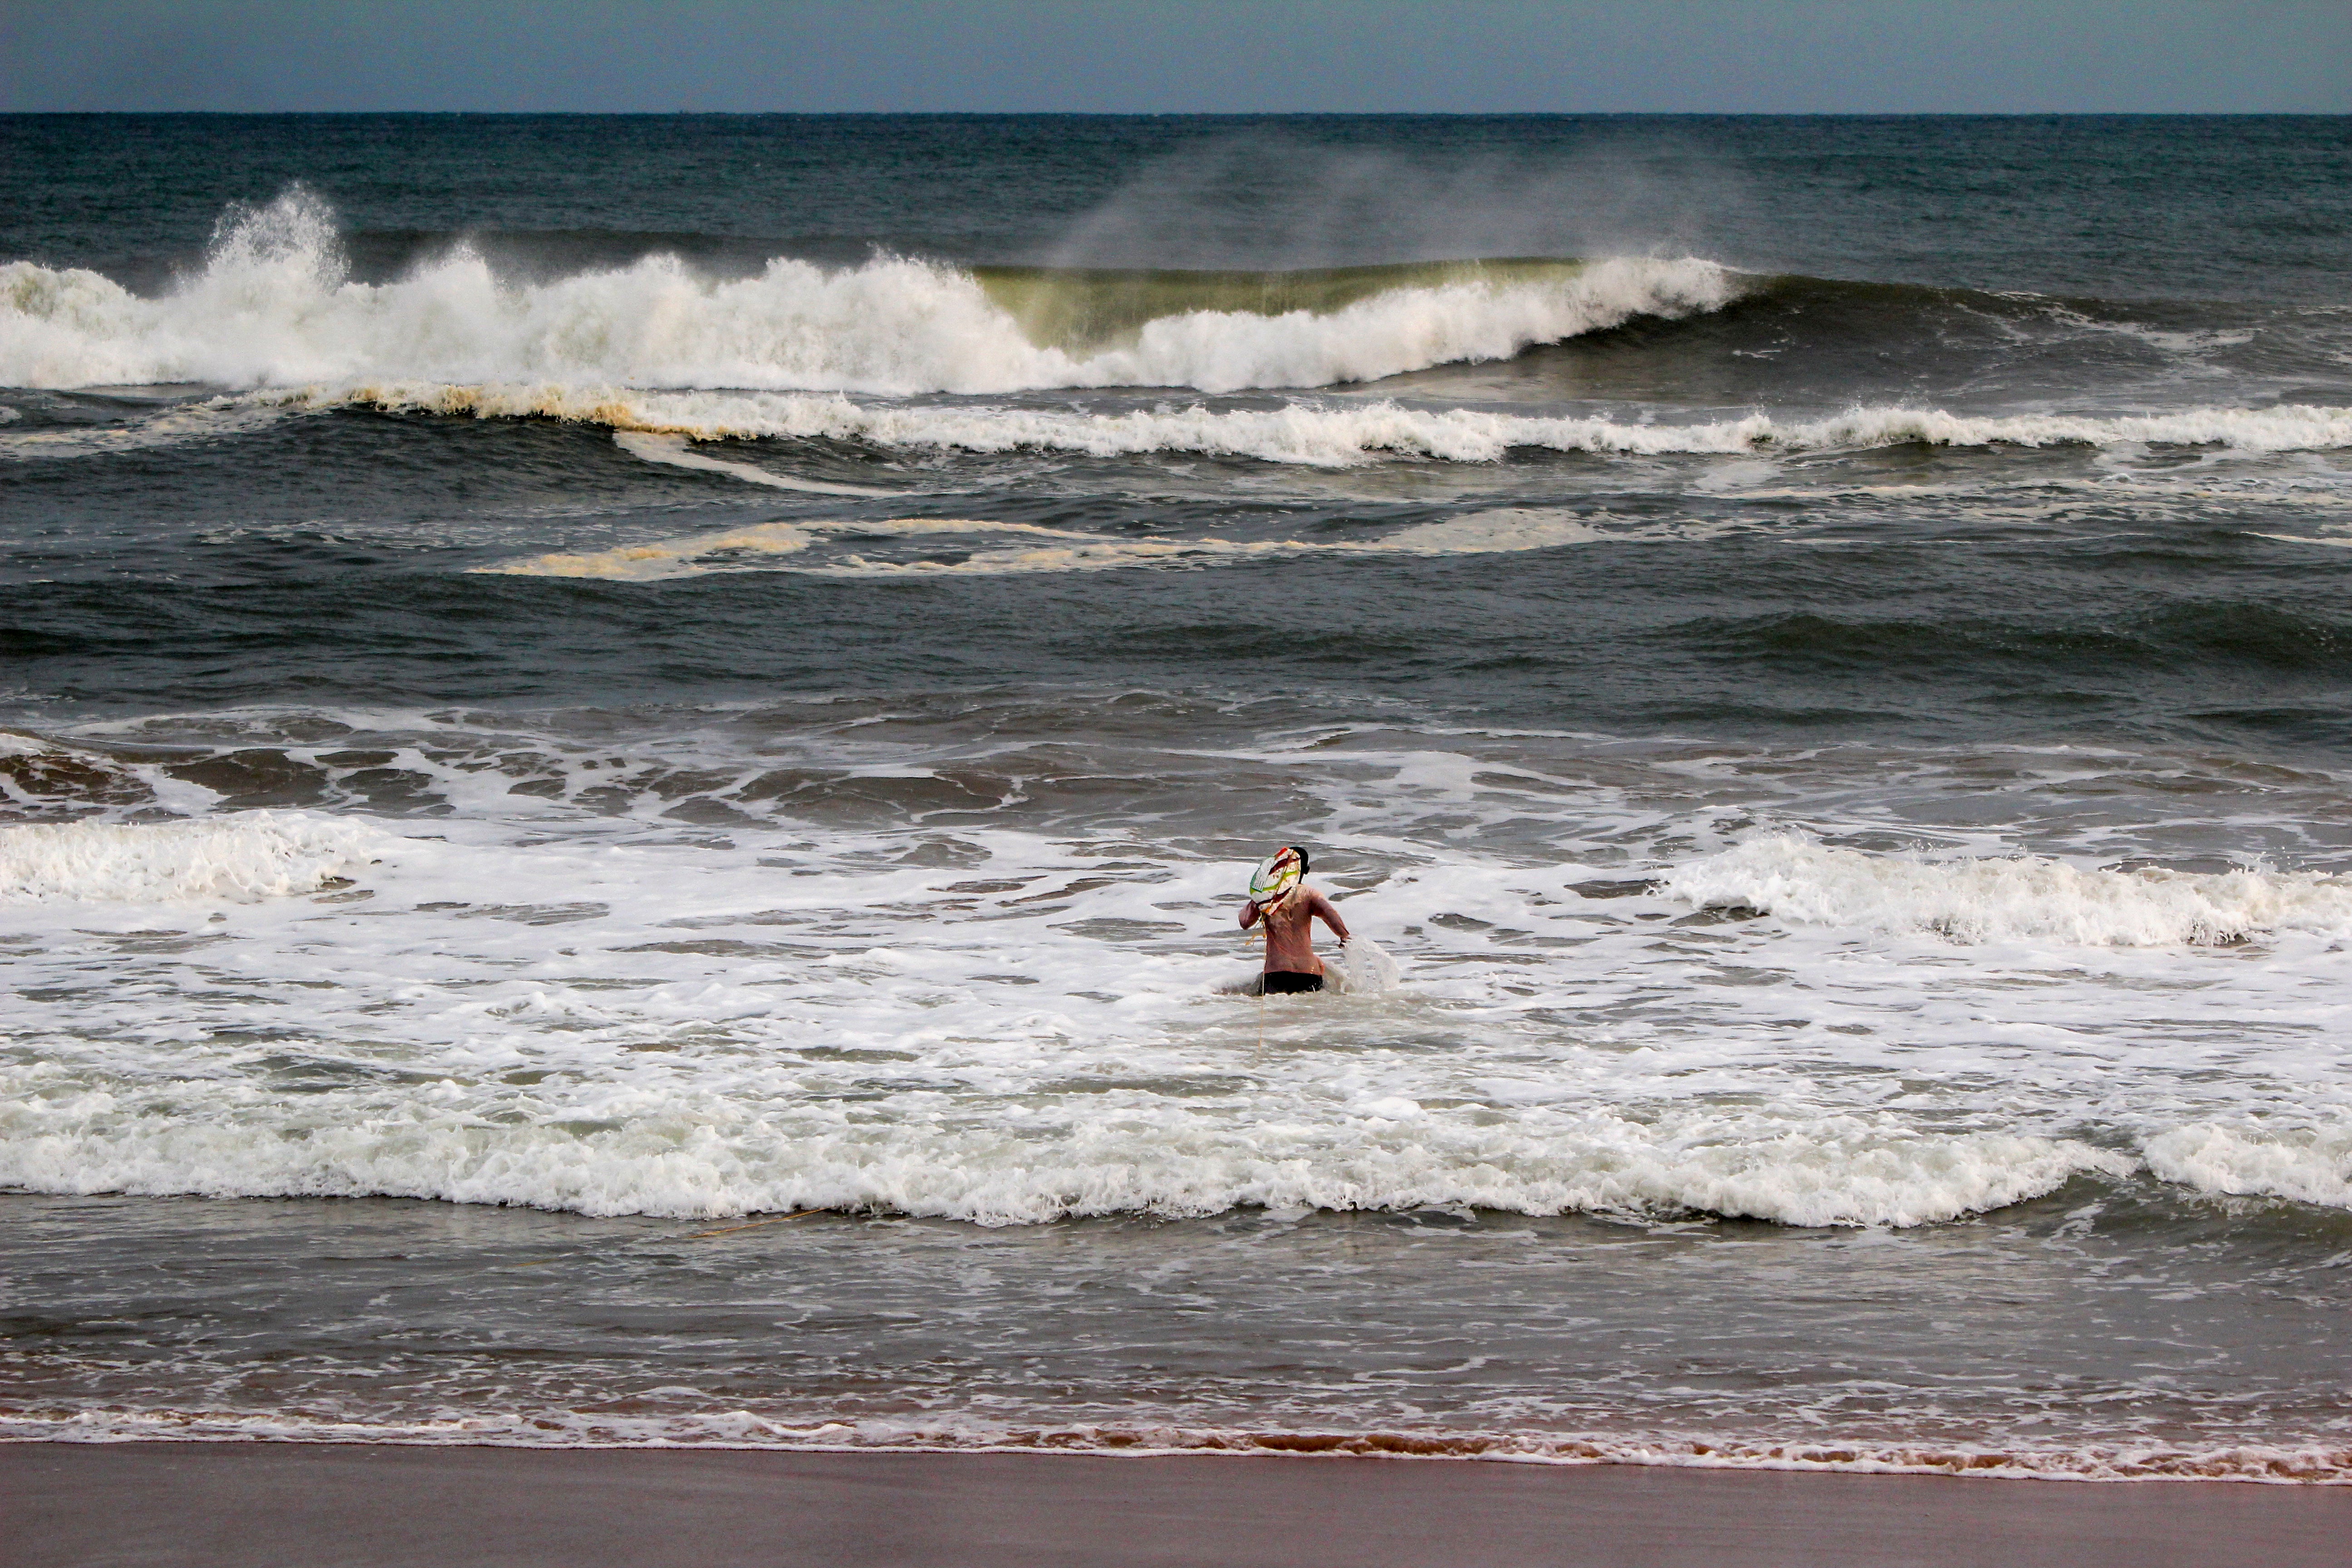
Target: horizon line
x=1178 y=114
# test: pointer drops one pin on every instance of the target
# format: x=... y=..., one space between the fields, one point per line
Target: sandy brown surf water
x=201 y=1505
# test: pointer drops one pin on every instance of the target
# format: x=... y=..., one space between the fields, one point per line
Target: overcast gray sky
x=1180 y=56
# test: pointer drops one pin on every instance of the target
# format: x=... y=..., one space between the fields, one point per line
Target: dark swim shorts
x=1282 y=982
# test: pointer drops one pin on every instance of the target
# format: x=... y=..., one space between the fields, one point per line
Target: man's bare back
x=1290 y=916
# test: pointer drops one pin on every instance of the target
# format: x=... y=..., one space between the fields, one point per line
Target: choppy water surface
x=548 y=716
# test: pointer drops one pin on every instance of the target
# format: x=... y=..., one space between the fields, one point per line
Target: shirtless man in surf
x=1280 y=897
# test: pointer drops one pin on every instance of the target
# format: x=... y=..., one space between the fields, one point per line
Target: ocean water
x=627 y=748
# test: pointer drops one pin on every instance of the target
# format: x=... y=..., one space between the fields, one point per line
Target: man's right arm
x=1322 y=908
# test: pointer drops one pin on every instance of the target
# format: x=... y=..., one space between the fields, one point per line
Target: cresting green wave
x=1084 y=308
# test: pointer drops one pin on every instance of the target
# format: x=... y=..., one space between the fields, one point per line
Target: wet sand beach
x=201 y=1504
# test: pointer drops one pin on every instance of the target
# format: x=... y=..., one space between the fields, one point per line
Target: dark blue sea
x=628 y=748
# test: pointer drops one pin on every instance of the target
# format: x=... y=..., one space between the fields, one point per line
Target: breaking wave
x=274 y=306
x=2028 y=897
x=1324 y=436
x=262 y=855
x=657 y=346
x=2307 y=1165
x=633 y=1149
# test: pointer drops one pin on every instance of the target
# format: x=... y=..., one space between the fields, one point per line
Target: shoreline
x=236 y=1502
x=1962 y=1467
x=2304 y=1465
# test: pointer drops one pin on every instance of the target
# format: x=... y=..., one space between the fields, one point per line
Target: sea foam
x=1005 y=548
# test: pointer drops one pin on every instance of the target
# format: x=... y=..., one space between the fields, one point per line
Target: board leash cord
x=690 y=1235
x=731 y=1229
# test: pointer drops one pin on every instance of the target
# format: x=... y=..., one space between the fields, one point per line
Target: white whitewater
x=2023 y=897
x=259 y=855
x=619 y=1018
x=273 y=307
x=1322 y=435
x=1363 y=968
